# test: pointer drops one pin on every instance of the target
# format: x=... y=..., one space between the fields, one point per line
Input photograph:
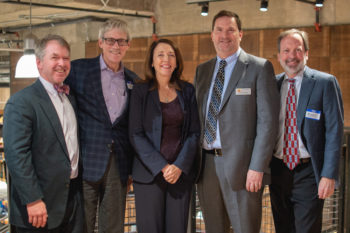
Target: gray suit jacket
x=36 y=155
x=248 y=123
x=322 y=137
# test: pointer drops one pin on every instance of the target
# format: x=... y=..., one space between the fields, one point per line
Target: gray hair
x=41 y=46
x=114 y=24
x=292 y=31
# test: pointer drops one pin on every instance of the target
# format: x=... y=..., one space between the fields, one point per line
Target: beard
x=295 y=69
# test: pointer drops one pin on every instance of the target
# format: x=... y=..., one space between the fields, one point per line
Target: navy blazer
x=97 y=132
x=145 y=129
x=322 y=138
x=36 y=155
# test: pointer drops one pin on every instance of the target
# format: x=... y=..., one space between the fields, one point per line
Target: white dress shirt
x=69 y=124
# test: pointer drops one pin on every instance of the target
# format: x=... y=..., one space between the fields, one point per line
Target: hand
x=37 y=214
x=254 y=181
x=172 y=174
x=128 y=187
x=326 y=187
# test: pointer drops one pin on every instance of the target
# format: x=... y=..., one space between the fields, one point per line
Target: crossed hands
x=37 y=214
x=171 y=173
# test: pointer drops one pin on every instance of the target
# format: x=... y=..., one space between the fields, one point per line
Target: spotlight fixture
x=319 y=3
x=263 y=5
x=205 y=9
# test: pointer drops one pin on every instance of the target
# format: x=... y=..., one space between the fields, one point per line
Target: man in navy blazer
x=42 y=150
x=102 y=88
x=298 y=191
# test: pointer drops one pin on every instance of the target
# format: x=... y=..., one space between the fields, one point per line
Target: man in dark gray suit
x=306 y=158
x=238 y=106
x=42 y=150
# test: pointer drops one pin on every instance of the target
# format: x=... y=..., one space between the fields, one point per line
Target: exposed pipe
x=51 y=24
x=136 y=14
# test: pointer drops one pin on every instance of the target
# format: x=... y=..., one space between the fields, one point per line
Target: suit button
x=67 y=185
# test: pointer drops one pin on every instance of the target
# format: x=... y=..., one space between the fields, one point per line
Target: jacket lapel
x=238 y=72
x=157 y=134
x=206 y=85
x=50 y=111
x=96 y=86
x=307 y=86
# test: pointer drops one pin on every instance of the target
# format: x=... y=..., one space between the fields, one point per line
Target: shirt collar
x=48 y=86
x=104 y=66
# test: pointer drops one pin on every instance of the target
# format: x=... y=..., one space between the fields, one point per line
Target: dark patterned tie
x=290 y=147
x=64 y=88
x=214 y=105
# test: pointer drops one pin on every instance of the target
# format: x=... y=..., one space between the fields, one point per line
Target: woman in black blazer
x=164 y=131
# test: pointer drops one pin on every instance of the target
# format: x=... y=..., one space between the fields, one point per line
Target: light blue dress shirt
x=231 y=62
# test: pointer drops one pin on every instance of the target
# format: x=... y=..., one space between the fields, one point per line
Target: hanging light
x=319 y=3
x=205 y=9
x=26 y=66
x=263 y=5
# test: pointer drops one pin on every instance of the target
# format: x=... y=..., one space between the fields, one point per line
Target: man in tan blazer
x=238 y=106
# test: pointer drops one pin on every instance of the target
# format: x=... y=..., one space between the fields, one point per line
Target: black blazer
x=36 y=155
x=145 y=129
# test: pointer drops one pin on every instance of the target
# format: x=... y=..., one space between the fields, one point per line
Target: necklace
x=165 y=94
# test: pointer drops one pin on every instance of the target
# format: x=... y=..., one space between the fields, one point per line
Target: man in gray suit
x=42 y=150
x=238 y=107
x=305 y=164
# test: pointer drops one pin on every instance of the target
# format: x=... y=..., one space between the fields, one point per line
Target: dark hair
x=150 y=72
x=231 y=14
x=292 y=31
x=41 y=46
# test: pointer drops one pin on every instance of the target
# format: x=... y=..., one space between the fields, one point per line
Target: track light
x=319 y=3
x=205 y=9
x=263 y=5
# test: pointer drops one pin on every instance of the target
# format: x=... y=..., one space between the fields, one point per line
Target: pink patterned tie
x=290 y=147
x=64 y=88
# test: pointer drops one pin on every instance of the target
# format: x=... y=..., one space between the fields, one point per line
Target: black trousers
x=295 y=204
x=73 y=220
x=162 y=207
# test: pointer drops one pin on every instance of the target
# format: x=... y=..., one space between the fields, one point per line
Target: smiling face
x=164 y=60
x=226 y=36
x=292 y=55
x=113 y=54
x=55 y=64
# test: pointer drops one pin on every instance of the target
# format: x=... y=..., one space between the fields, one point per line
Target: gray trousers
x=222 y=206
x=109 y=194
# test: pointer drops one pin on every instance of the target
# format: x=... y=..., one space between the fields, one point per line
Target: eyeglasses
x=111 y=41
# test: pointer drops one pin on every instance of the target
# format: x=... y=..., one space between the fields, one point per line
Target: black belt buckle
x=304 y=160
x=218 y=152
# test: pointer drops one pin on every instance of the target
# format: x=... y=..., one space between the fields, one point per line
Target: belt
x=301 y=160
x=304 y=160
x=216 y=152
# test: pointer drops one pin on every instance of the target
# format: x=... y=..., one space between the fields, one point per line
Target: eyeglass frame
x=119 y=41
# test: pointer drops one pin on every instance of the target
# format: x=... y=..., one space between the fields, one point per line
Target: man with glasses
x=102 y=88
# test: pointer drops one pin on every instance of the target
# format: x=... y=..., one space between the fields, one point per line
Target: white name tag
x=313 y=114
x=243 y=91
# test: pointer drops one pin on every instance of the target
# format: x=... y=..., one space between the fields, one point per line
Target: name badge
x=243 y=91
x=129 y=85
x=313 y=114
